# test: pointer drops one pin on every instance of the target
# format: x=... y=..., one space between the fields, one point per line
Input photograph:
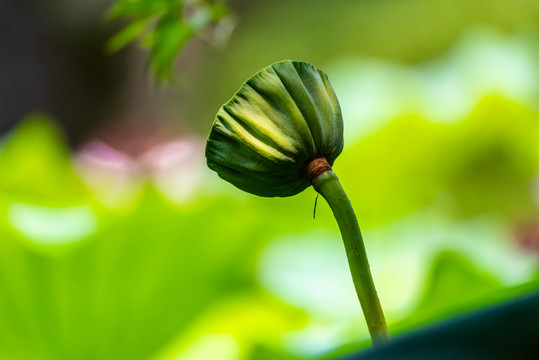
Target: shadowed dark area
x=50 y=63
x=506 y=331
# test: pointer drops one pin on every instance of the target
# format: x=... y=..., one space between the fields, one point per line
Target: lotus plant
x=279 y=134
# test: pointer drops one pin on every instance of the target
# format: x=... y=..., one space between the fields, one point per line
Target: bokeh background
x=116 y=241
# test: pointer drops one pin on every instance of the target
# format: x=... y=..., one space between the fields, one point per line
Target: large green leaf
x=79 y=280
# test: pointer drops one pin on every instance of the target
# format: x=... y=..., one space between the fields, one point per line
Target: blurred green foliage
x=151 y=279
x=164 y=26
x=438 y=202
x=120 y=290
x=410 y=31
x=483 y=164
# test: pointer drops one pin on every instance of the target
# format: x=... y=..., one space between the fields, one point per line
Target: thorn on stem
x=315 y=202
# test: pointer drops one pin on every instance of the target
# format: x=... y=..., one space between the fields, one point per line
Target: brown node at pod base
x=315 y=168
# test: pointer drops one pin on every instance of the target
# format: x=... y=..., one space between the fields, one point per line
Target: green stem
x=330 y=188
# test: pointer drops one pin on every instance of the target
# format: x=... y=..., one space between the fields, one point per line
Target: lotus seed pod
x=283 y=117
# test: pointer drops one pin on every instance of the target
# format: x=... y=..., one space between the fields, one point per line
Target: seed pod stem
x=279 y=134
x=328 y=185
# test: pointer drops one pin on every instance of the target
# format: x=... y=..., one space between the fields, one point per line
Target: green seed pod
x=265 y=136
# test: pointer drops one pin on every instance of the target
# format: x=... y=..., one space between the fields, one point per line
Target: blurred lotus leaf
x=79 y=280
x=483 y=164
